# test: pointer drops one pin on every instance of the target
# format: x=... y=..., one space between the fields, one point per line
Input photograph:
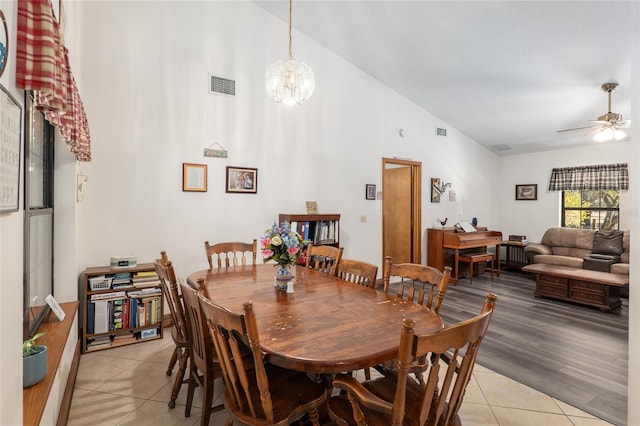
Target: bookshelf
x=319 y=229
x=120 y=306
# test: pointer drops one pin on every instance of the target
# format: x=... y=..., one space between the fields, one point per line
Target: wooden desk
x=326 y=326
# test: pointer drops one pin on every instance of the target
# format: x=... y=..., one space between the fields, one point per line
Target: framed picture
x=312 y=207
x=435 y=190
x=527 y=192
x=370 y=192
x=242 y=180
x=10 y=136
x=194 y=177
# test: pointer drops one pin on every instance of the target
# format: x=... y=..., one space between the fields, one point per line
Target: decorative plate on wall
x=4 y=44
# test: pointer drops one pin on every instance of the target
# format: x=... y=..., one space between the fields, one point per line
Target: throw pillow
x=607 y=242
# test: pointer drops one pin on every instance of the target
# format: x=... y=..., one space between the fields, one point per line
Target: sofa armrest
x=533 y=249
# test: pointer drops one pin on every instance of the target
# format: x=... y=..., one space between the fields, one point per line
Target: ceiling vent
x=441 y=132
x=501 y=147
x=222 y=85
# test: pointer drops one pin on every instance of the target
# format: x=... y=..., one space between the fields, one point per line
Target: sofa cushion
x=607 y=242
x=569 y=237
x=620 y=268
x=554 y=259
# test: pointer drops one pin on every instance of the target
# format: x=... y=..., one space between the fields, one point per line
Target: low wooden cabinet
x=120 y=316
x=594 y=288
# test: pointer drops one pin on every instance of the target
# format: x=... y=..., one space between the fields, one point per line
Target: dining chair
x=264 y=394
x=358 y=272
x=323 y=258
x=399 y=399
x=231 y=253
x=204 y=365
x=180 y=355
x=422 y=284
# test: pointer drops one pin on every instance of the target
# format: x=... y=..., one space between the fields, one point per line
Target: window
x=38 y=216
x=593 y=209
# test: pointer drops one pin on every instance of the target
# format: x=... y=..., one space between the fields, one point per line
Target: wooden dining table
x=327 y=325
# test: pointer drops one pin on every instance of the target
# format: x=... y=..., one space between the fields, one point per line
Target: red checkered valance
x=601 y=176
x=42 y=65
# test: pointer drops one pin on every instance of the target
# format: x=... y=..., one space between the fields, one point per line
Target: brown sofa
x=569 y=247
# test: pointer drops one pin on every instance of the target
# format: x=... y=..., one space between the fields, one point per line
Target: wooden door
x=401 y=210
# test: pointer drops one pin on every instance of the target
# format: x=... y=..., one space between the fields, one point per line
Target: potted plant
x=34 y=361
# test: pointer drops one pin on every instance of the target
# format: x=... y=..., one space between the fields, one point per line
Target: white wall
x=533 y=218
x=145 y=92
x=142 y=71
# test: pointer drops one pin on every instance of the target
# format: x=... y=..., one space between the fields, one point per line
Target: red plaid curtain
x=42 y=65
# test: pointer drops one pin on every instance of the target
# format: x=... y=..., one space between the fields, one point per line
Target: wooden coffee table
x=593 y=288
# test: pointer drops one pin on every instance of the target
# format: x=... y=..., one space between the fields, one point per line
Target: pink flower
x=264 y=242
x=292 y=250
x=267 y=253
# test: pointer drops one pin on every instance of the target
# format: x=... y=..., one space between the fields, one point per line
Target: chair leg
x=207 y=399
x=193 y=372
x=172 y=361
x=177 y=382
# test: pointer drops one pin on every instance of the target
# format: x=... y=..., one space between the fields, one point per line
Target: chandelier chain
x=290 y=8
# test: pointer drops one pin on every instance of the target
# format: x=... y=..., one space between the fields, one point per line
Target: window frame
x=38 y=182
x=564 y=208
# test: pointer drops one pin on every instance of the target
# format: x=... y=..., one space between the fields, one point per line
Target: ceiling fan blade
x=594 y=131
x=577 y=128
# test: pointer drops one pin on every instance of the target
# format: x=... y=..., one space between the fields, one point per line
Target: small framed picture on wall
x=242 y=180
x=527 y=192
x=370 y=192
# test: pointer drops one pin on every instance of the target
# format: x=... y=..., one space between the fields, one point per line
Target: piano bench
x=474 y=258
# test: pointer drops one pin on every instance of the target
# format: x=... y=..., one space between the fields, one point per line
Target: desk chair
x=180 y=355
x=204 y=366
x=398 y=399
x=323 y=258
x=358 y=272
x=230 y=253
x=265 y=395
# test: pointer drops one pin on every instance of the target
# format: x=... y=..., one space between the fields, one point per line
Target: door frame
x=416 y=208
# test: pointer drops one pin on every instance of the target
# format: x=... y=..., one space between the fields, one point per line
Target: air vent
x=501 y=147
x=441 y=132
x=222 y=85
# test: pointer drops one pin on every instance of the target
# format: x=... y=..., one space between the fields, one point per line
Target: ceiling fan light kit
x=609 y=124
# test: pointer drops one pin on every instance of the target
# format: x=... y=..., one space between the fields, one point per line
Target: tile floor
x=128 y=385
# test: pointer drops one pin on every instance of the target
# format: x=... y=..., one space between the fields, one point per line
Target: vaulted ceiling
x=508 y=74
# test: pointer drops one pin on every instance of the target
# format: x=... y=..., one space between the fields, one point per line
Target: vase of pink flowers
x=283 y=245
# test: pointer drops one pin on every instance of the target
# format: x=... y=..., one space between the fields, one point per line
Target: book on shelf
x=101 y=316
x=146 y=284
x=108 y=296
x=146 y=274
x=99 y=341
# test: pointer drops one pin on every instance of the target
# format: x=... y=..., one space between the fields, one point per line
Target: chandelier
x=288 y=81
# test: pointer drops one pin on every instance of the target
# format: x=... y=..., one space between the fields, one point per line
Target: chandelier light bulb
x=290 y=82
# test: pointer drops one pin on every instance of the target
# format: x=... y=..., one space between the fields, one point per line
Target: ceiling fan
x=608 y=125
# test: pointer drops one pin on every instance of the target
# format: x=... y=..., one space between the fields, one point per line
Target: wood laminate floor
x=574 y=353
